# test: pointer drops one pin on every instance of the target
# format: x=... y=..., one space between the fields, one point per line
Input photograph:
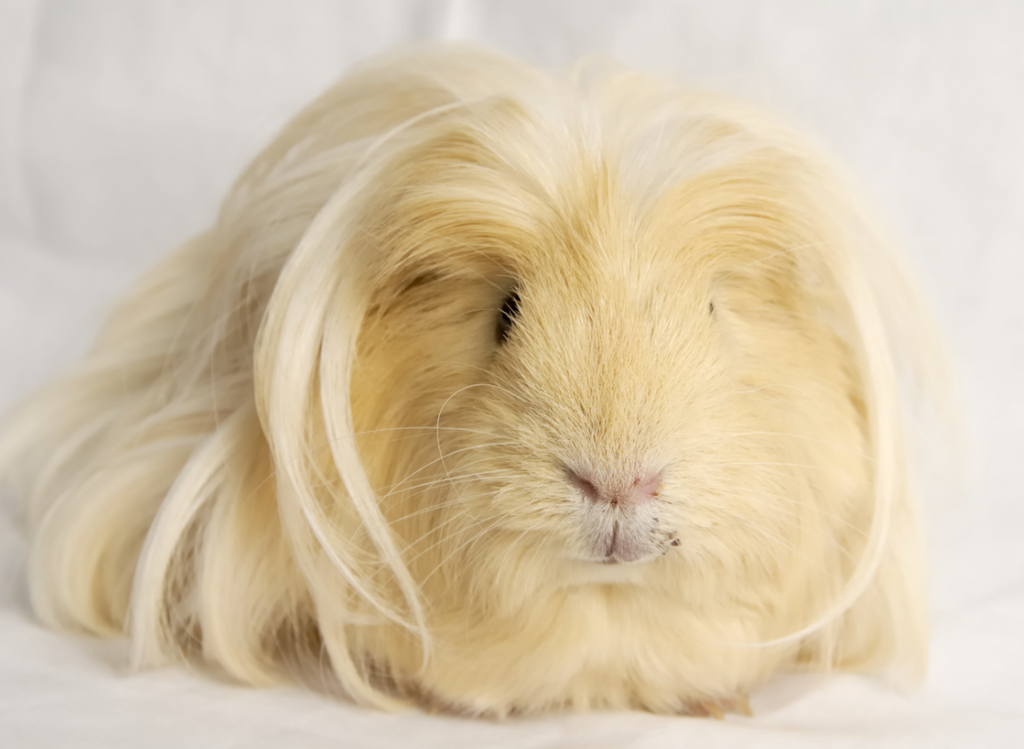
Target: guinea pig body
x=508 y=394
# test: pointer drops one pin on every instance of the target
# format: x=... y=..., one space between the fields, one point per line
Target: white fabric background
x=122 y=123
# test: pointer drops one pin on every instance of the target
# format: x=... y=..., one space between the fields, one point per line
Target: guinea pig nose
x=616 y=492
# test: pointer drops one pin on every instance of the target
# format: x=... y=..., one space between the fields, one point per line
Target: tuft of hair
x=288 y=444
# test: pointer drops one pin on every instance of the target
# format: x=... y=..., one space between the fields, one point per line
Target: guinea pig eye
x=509 y=313
x=711 y=308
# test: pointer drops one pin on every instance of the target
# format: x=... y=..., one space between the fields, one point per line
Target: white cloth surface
x=122 y=123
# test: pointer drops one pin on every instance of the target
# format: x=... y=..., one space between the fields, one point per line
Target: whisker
x=783 y=464
x=437 y=507
x=836 y=445
x=783 y=386
x=473 y=461
x=440 y=412
x=459 y=477
x=426 y=429
x=442 y=458
x=493 y=524
x=823 y=513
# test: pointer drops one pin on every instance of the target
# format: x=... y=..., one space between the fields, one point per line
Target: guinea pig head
x=566 y=381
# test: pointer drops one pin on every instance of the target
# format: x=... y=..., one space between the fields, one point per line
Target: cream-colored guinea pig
x=495 y=392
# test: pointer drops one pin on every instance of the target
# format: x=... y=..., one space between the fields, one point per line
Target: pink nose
x=615 y=492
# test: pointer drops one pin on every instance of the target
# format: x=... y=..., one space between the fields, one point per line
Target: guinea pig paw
x=717 y=708
x=433 y=704
x=496 y=713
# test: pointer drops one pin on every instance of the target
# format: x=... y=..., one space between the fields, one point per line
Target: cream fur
x=298 y=436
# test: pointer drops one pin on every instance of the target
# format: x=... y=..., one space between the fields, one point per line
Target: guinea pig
x=496 y=393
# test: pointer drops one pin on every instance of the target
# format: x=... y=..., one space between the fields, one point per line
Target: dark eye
x=509 y=313
x=711 y=308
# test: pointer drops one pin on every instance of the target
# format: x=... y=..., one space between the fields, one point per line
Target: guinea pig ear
x=304 y=359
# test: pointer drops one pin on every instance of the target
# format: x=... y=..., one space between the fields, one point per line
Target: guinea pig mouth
x=627 y=544
x=618 y=550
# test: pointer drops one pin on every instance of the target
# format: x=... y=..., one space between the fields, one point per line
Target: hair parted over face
x=507 y=393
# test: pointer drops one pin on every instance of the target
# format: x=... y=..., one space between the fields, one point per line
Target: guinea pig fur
x=495 y=392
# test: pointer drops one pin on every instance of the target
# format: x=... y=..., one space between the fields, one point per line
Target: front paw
x=717 y=708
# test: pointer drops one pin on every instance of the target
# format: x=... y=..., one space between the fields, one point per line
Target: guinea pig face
x=598 y=380
x=596 y=350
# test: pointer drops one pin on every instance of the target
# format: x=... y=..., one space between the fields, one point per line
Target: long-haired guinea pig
x=496 y=393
